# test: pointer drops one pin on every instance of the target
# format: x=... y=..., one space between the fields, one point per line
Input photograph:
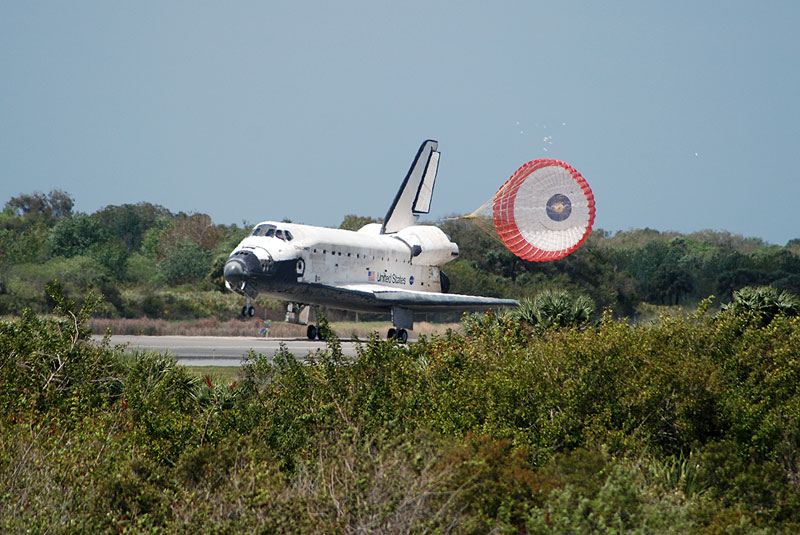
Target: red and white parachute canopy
x=544 y=211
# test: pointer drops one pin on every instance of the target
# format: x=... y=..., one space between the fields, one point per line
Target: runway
x=221 y=350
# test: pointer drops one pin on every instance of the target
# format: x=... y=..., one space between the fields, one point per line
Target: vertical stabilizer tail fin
x=414 y=197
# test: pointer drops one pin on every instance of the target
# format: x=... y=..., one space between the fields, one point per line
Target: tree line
x=130 y=249
x=629 y=272
x=127 y=251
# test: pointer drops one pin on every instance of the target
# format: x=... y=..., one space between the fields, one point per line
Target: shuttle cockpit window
x=289 y=236
x=270 y=233
x=262 y=230
x=279 y=234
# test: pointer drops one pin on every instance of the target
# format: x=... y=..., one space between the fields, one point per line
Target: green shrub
x=554 y=309
x=617 y=496
x=687 y=424
x=185 y=262
x=48 y=367
x=762 y=304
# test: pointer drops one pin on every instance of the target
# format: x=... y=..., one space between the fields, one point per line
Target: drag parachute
x=543 y=212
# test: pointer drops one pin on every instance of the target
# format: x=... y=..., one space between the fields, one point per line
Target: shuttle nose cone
x=235 y=271
x=241 y=267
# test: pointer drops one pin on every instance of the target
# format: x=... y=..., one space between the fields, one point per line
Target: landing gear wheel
x=244 y=312
x=251 y=311
x=391 y=334
x=312 y=332
x=402 y=336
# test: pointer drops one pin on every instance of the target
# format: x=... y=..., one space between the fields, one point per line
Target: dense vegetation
x=148 y=261
x=144 y=260
x=628 y=272
x=687 y=424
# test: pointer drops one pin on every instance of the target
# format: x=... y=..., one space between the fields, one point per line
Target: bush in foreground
x=688 y=425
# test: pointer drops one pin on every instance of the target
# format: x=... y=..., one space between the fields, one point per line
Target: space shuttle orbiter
x=391 y=267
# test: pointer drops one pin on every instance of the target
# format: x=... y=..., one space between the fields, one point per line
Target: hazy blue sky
x=682 y=115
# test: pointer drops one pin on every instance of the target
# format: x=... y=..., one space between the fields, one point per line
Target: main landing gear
x=314 y=332
x=401 y=335
x=402 y=319
x=300 y=314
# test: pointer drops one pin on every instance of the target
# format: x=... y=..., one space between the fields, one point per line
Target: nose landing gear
x=248 y=310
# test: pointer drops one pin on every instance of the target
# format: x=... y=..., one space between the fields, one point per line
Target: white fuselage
x=409 y=259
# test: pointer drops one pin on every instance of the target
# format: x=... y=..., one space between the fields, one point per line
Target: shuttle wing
x=414 y=197
x=425 y=301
